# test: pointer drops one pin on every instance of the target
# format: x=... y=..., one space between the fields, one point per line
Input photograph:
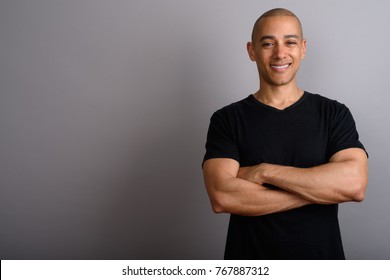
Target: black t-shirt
x=306 y=134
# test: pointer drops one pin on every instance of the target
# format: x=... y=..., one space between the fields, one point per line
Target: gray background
x=105 y=105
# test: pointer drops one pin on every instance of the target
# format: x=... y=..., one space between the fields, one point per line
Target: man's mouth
x=280 y=67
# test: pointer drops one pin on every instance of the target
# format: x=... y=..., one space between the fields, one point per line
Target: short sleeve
x=220 y=140
x=343 y=133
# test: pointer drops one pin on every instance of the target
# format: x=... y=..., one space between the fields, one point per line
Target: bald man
x=282 y=159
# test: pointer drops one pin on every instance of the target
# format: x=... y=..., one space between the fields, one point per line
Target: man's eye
x=267 y=44
x=291 y=43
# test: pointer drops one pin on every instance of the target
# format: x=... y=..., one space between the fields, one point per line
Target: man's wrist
x=268 y=172
x=264 y=172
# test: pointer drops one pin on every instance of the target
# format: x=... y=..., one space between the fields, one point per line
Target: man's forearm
x=334 y=182
x=229 y=194
x=325 y=184
x=248 y=199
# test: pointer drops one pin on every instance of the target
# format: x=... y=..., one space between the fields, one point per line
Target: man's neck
x=279 y=97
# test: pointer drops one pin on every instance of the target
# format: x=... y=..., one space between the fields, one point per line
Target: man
x=282 y=159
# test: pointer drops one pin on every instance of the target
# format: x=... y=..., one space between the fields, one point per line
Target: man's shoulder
x=235 y=106
x=319 y=97
x=323 y=100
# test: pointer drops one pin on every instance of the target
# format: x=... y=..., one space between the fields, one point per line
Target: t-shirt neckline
x=292 y=106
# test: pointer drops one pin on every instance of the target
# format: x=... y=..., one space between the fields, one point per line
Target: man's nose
x=279 y=51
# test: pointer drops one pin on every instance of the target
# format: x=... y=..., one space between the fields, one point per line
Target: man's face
x=278 y=49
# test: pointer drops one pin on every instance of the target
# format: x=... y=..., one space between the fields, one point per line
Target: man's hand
x=253 y=174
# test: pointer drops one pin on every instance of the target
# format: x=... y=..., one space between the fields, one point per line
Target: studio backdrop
x=104 y=110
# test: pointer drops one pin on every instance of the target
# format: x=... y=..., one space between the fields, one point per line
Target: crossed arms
x=241 y=191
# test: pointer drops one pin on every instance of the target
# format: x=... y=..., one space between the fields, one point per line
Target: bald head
x=274 y=13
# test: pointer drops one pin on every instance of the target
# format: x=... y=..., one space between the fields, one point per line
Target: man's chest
x=295 y=141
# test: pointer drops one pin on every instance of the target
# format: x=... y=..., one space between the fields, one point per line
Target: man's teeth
x=280 y=66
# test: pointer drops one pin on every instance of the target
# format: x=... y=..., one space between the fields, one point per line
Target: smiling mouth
x=280 y=67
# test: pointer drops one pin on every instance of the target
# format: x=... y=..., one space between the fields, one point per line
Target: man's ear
x=303 y=51
x=251 y=51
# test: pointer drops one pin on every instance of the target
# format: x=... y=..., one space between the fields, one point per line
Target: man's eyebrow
x=291 y=36
x=271 y=37
x=268 y=37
